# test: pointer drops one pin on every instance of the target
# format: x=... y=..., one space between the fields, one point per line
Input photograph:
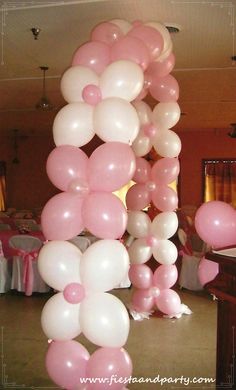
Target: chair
x=25 y=275
x=5 y=272
x=81 y=242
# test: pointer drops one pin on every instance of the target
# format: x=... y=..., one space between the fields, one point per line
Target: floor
x=165 y=348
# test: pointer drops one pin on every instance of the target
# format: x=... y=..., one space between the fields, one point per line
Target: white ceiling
x=203 y=49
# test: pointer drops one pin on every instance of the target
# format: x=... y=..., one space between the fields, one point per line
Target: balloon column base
x=184 y=310
x=140 y=316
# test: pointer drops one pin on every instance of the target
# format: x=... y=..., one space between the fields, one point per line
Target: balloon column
x=104 y=87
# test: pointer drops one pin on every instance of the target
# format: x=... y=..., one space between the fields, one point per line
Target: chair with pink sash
x=25 y=275
x=5 y=272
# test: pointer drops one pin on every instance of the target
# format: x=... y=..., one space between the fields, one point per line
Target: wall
x=28 y=185
x=198 y=145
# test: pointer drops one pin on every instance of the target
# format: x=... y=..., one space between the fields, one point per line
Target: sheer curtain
x=220 y=180
x=2 y=185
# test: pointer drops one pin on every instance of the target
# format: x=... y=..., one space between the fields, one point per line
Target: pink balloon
x=150 y=37
x=111 y=363
x=66 y=363
x=92 y=94
x=140 y=276
x=161 y=68
x=133 y=49
x=111 y=166
x=165 y=276
x=94 y=55
x=165 y=170
x=74 y=293
x=137 y=197
x=142 y=173
x=165 y=198
x=64 y=164
x=165 y=89
x=215 y=222
x=106 y=32
x=149 y=130
x=104 y=215
x=168 y=302
x=142 y=300
x=61 y=217
x=207 y=271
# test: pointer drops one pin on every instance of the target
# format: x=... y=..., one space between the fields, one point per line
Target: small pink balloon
x=143 y=171
x=64 y=164
x=140 y=276
x=207 y=271
x=154 y=291
x=61 y=217
x=133 y=49
x=165 y=198
x=168 y=302
x=92 y=94
x=149 y=130
x=150 y=186
x=104 y=215
x=161 y=68
x=74 y=293
x=66 y=363
x=111 y=363
x=106 y=32
x=94 y=55
x=215 y=222
x=79 y=187
x=137 y=197
x=150 y=37
x=165 y=89
x=165 y=276
x=165 y=170
x=151 y=241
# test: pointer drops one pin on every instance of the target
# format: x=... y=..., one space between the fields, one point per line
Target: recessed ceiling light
x=173 y=27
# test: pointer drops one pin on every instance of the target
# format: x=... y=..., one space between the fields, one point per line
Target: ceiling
x=203 y=49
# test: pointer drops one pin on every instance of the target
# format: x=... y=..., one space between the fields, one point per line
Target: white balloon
x=167 y=144
x=139 y=251
x=73 y=125
x=166 y=115
x=168 y=45
x=116 y=120
x=144 y=112
x=122 y=79
x=104 y=320
x=58 y=264
x=138 y=224
x=74 y=80
x=165 y=252
x=104 y=265
x=60 y=319
x=142 y=144
x=164 y=225
x=122 y=24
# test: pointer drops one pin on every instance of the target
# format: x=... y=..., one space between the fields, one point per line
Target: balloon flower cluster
x=103 y=89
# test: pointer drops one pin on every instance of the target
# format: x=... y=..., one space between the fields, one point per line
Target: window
x=219 y=180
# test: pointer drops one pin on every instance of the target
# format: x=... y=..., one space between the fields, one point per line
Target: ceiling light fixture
x=35 y=32
x=44 y=103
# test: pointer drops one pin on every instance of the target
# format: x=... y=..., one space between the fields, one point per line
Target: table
x=224 y=288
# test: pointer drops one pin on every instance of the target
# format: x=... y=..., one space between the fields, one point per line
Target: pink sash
x=28 y=274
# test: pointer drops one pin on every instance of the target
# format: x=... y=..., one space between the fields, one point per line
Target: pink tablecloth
x=5 y=236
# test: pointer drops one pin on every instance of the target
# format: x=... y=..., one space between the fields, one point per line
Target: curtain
x=220 y=181
x=2 y=185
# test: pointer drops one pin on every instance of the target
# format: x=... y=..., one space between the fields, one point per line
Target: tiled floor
x=171 y=348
